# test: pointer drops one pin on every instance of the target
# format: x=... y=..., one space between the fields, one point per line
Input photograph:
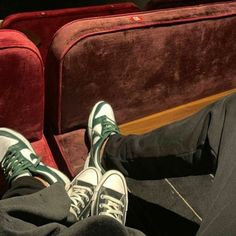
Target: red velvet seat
x=141 y=63
x=41 y=25
x=22 y=91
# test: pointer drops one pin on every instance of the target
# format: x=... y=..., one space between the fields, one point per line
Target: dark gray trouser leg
x=100 y=225
x=35 y=214
x=203 y=143
x=23 y=186
x=220 y=219
x=46 y=212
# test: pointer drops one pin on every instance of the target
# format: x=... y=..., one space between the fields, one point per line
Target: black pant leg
x=100 y=225
x=23 y=186
x=204 y=142
x=220 y=218
x=187 y=147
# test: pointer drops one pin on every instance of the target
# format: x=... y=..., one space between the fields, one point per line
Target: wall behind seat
x=8 y=7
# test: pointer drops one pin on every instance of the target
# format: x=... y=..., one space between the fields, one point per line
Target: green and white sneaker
x=101 y=125
x=17 y=159
x=82 y=190
x=111 y=197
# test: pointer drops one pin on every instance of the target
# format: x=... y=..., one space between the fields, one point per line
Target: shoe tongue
x=112 y=193
x=82 y=183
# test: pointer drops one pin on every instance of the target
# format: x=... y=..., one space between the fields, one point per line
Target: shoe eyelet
x=100 y=205
x=102 y=196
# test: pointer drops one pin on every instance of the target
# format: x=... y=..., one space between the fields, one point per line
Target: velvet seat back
x=22 y=85
x=141 y=63
x=41 y=25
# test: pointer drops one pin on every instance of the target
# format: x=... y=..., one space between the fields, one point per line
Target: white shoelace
x=112 y=207
x=79 y=199
x=15 y=164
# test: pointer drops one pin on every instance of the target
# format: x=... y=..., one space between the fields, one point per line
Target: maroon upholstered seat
x=141 y=63
x=22 y=90
x=22 y=85
x=41 y=25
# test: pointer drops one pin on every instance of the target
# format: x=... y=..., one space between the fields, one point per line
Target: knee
x=102 y=225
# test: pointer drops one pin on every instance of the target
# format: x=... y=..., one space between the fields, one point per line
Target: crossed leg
x=201 y=144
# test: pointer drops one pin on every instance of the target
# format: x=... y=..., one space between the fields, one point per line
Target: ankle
x=44 y=182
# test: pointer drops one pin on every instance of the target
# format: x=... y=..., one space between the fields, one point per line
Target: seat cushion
x=70 y=149
x=42 y=149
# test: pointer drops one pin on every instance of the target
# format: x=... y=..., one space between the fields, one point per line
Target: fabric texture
x=43 y=150
x=70 y=148
x=201 y=144
x=22 y=85
x=23 y=186
x=46 y=212
x=163 y=58
x=33 y=23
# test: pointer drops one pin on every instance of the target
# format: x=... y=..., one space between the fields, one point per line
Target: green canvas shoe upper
x=17 y=158
x=101 y=125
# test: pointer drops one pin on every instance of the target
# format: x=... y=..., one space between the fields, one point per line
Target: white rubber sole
x=90 y=120
x=90 y=125
x=62 y=176
x=86 y=163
